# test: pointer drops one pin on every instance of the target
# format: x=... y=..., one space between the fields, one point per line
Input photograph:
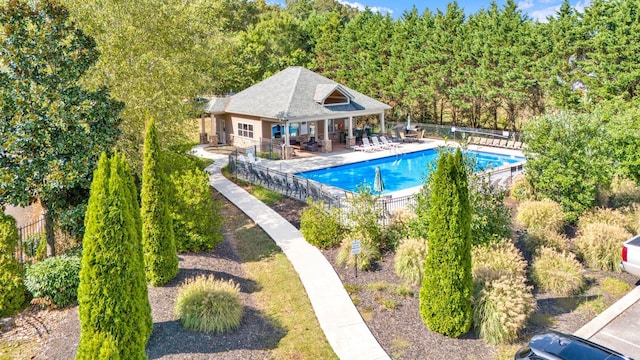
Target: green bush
x=409 y=260
x=321 y=226
x=362 y=216
x=490 y=217
x=624 y=192
x=197 y=222
x=543 y=214
x=599 y=245
x=502 y=308
x=447 y=284
x=209 y=305
x=557 y=272
x=12 y=290
x=160 y=255
x=366 y=259
x=521 y=189
x=602 y=216
x=496 y=260
x=398 y=228
x=55 y=280
x=535 y=239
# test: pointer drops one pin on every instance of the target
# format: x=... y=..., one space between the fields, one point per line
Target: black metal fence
x=301 y=188
x=29 y=237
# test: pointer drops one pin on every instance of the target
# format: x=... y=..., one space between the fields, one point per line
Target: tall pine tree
x=447 y=285
x=12 y=288
x=160 y=256
x=112 y=296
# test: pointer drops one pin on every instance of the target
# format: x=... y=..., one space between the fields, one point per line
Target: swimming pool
x=399 y=172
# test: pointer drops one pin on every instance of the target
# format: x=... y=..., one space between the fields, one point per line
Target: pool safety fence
x=461 y=133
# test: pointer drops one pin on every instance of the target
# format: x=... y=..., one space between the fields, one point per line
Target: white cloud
x=581 y=5
x=525 y=4
x=359 y=6
x=542 y=14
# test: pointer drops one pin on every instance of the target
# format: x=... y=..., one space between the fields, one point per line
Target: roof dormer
x=332 y=94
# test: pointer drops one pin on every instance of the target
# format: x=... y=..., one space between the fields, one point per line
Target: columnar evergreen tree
x=112 y=296
x=447 y=285
x=12 y=288
x=160 y=256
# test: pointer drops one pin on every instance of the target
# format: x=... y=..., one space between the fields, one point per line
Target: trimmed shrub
x=502 y=308
x=209 y=305
x=536 y=239
x=496 y=260
x=624 y=192
x=599 y=245
x=197 y=223
x=602 y=216
x=409 y=260
x=160 y=255
x=557 y=272
x=521 y=189
x=55 y=280
x=12 y=290
x=319 y=226
x=112 y=295
x=369 y=253
x=447 y=284
x=543 y=214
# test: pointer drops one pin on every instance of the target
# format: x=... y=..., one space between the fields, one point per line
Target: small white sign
x=355 y=247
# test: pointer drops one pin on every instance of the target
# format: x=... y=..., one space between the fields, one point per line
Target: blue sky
x=537 y=9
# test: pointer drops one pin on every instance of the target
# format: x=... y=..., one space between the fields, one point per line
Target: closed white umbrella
x=378 y=184
x=408 y=122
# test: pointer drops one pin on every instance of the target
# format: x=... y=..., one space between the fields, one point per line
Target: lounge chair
x=402 y=137
x=420 y=136
x=510 y=144
x=503 y=143
x=368 y=146
x=517 y=145
x=379 y=144
x=495 y=142
x=387 y=142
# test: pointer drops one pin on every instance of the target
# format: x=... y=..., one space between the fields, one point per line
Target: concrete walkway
x=343 y=326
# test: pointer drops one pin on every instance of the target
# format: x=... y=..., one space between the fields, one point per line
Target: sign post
x=355 y=250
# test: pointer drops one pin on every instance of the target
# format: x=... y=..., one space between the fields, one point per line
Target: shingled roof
x=297 y=93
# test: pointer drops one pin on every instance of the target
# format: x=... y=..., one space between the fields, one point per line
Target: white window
x=245 y=130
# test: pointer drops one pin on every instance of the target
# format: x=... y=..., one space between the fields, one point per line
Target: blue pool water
x=399 y=172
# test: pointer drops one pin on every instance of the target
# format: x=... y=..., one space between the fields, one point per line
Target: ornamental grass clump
x=409 y=260
x=495 y=260
x=536 y=239
x=543 y=214
x=521 y=189
x=502 y=307
x=602 y=216
x=557 y=272
x=209 y=305
x=599 y=245
x=632 y=215
x=624 y=192
x=369 y=253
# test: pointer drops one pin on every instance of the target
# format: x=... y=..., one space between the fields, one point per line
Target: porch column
x=213 y=137
x=203 y=133
x=326 y=142
x=382 y=129
x=351 y=140
x=287 y=149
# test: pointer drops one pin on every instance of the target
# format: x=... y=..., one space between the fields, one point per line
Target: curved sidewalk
x=343 y=326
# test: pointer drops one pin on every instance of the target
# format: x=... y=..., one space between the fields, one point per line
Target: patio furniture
x=369 y=146
x=253 y=159
x=503 y=143
x=379 y=144
x=388 y=143
x=510 y=144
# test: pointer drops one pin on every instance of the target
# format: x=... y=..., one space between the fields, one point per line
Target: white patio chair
x=377 y=143
x=390 y=144
x=369 y=146
x=253 y=159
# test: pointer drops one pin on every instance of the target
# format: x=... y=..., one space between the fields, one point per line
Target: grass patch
x=592 y=307
x=404 y=290
x=386 y=303
x=352 y=288
x=282 y=297
x=367 y=313
x=379 y=286
x=398 y=347
x=614 y=287
x=505 y=352
x=265 y=195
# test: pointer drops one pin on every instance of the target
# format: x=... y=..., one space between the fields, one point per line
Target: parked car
x=553 y=345
x=631 y=256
